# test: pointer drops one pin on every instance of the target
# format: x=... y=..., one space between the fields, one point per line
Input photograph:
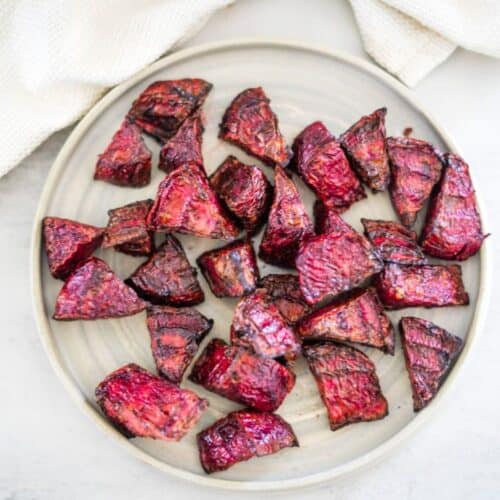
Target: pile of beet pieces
x=345 y=280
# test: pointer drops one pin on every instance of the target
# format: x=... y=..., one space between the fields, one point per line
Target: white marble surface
x=50 y=451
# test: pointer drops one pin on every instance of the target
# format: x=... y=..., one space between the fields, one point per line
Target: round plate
x=304 y=84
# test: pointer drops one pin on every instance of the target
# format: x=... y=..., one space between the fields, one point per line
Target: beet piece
x=347 y=382
x=323 y=166
x=186 y=203
x=242 y=435
x=453 y=226
x=415 y=168
x=230 y=271
x=359 y=319
x=240 y=375
x=288 y=223
x=93 y=291
x=258 y=325
x=140 y=404
x=421 y=286
x=67 y=243
x=394 y=242
x=429 y=354
x=244 y=190
x=164 y=105
x=250 y=124
x=176 y=334
x=127 y=160
x=167 y=277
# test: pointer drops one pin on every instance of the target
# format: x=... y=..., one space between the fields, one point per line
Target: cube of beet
x=176 y=334
x=127 y=160
x=250 y=124
x=67 y=243
x=242 y=435
x=231 y=271
x=167 y=277
x=240 y=375
x=141 y=404
x=93 y=291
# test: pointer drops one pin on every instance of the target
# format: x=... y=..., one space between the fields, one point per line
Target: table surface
x=51 y=451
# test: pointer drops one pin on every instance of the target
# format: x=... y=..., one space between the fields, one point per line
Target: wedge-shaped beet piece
x=453 y=227
x=176 y=334
x=244 y=190
x=394 y=242
x=323 y=166
x=258 y=325
x=429 y=353
x=240 y=375
x=421 y=286
x=93 y=291
x=167 y=277
x=127 y=160
x=250 y=124
x=67 y=243
x=186 y=203
x=359 y=319
x=231 y=271
x=364 y=144
x=416 y=168
x=140 y=404
x=242 y=435
x=164 y=105
x=287 y=225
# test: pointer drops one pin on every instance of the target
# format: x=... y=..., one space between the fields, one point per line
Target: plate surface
x=304 y=84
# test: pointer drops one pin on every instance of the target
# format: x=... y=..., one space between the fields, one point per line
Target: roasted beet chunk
x=175 y=334
x=163 y=106
x=359 y=319
x=230 y=271
x=421 y=286
x=245 y=191
x=287 y=224
x=453 y=227
x=127 y=160
x=394 y=242
x=167 y=277
x=322 y=164
x=250 y=124
x=242 y=435
x=347 y=382
x=415 y=167
x=67 y=243
x=186 y=203
x=240 y=375
x=258 y=325
x=429 y=353
x=93 y=291
x=141 y=404
x=364 y=144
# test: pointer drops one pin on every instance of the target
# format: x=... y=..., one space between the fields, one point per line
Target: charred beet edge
x=421 y=286
x=141 y=404
x=164 y=105
x=93 y=291
x=176 y=334
x=453 y=227
x=347 y=382
x=242 y=435
x=323 y=166
x=231 y=271
x=250 y=124
x=239 y=375
x=127 y=160
x=68 y=243
x=429 y=354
